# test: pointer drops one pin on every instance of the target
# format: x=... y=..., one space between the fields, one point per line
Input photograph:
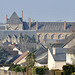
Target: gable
x=14 y=19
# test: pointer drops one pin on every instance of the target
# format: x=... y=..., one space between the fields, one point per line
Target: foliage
x=23 y=69
x=12 y=66
x=13 y=69
x=18 y=69
x=3 y=55
x=73 y=73
x=40 y=70
x=68 y=69
x=30 y=59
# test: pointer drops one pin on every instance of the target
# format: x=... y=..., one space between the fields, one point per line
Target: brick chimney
x=29 y=22
x=22 y=14
x=6 y=17
x=36 y=25
x=64 y=25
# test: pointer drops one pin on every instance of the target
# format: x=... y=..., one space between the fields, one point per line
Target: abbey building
x=51 y=32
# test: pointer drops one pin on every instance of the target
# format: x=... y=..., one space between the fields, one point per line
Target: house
x=16 y=49
x=21 y=59
x=56 y=58
x=41 y=57
x=70 y=55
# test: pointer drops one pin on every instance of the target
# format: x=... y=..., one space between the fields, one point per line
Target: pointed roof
x=14 y=19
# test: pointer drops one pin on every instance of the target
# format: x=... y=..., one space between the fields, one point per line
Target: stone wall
x=4 y=72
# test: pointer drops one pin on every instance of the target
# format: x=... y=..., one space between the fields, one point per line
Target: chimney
x=64 y=25
x=22 y=14
x=54 y=51
x=36 y=25
x=6 y=17
x=29 y=22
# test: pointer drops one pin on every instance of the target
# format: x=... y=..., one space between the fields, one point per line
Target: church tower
x=14 y=23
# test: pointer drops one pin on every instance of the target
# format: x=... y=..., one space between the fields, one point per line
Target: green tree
x=30 y=59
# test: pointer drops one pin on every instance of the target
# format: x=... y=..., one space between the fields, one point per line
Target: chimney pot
x=29 y=22
x=6 y=17
x=36 y=25
x=64 y=25
x=22 y=14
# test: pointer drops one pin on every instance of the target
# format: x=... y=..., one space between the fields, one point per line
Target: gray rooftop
x=14 y=19
x=53 y=26
x=64 y=41
x=41 y=55
x=60 y=54
x=4 y=33
x=71 y=50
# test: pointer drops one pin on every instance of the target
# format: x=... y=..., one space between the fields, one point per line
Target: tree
x=30 y=59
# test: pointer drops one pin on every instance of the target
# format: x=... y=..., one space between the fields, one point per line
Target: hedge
x=68 y=69
x=73 y=73
x=41 y=70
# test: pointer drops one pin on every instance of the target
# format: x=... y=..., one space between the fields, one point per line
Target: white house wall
x=59 y=64
x=69 y=58
x=51 y=62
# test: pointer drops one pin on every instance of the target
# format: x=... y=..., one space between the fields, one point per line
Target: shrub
x=40 y=70
x=73 y=73
x=23 y=69
x=12 y=66
x=18 y=69
x=13 y=69
x=68 y=69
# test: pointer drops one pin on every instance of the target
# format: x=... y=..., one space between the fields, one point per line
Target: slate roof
x=4 y=33
x=68 y=39
x=51 y=26
x=41 y=55
x=64 y=41
x=71 y=50
x=60 y=54
x=14 y=19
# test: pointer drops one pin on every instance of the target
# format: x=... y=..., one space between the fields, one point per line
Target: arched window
x=59 y=36
x=52 y=36
x=66 y=35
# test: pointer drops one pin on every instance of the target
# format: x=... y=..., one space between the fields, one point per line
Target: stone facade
x=42 y=30
x=44 y=36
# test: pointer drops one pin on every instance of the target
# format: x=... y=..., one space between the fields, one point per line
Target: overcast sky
x=41 y=10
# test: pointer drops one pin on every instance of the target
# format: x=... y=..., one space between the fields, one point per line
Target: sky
x=41 y=10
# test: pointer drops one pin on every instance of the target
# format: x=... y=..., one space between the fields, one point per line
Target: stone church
x=44 y=32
